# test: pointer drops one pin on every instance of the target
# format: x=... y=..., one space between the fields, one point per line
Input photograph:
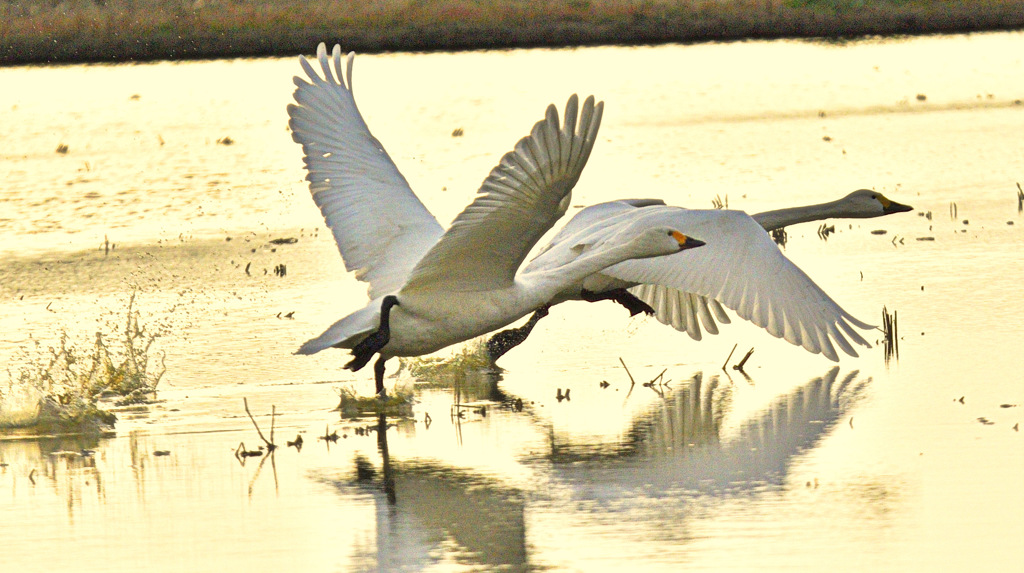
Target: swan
x=686 y=310
x=429 y=287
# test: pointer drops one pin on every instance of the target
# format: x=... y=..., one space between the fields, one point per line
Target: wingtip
x=308 y=348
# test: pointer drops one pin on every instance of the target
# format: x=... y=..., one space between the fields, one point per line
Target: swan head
x=660 y=241
x=866 y=203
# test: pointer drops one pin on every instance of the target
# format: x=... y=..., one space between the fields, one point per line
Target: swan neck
x=582 y=267
x=779 y=218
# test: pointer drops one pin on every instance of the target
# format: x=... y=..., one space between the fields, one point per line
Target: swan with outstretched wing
x=429 y=287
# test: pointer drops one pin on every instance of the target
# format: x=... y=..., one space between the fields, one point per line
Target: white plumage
x=688 y=312
x=741 y=268
x=449 y=285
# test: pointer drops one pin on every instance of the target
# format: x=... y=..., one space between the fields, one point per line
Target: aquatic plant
x=59 y=388
x=397 y=403
x=446 y=372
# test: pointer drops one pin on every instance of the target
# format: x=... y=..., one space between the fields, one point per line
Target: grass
x=59 y=389
x=119 y=30
x=452 y=371
x=398 y=403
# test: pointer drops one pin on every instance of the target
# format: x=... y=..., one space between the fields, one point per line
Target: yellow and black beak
x=891 y=207
x=686 y=242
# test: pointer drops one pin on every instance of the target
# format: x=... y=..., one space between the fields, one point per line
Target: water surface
x=805 y=465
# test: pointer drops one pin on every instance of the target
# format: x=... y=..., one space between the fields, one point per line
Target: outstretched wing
x=381 y=227
x=518 y=202
x=742 y=268
x=683 y=311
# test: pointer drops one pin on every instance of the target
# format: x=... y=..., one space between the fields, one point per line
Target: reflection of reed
x=678 y=443
x=65 y=464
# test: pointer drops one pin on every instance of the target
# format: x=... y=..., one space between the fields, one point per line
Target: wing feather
x=518 y=202
x=381 y=227
x=741 y=268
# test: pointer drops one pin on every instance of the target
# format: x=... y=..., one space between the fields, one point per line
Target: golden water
x=803 y=467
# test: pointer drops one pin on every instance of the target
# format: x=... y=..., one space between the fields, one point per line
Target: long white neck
x=549 y=283
x=779 y=218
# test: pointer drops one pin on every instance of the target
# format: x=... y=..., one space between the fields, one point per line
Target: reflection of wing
x=518 y=202
x=741 y=268
x=680 y=444
x=381 y=227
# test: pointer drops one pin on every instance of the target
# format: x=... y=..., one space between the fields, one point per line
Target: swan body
x=429 y=287
x=741 y=267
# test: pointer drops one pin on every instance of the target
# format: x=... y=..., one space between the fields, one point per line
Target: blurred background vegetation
x=34 y=31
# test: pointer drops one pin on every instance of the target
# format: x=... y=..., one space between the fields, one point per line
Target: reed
x=119 y=30
x=890 y=335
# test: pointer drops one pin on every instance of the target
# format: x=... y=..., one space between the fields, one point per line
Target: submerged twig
x=241 y=453
x=631 y=381
x=739 y=367
x=726 y=363
x=656 y=382
x=269 y=443
x=329 y=438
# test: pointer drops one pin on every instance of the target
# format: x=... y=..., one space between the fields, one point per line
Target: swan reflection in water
x=679 y=444
x=428 y=512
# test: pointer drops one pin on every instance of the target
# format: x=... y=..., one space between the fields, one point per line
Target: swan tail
x=347 y=332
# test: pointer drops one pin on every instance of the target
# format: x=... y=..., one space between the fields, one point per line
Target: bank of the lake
x=137 y=30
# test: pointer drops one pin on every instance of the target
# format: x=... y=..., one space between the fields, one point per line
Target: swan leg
x=364 y=351
x=622 y=296
x=378 y=376
x=508 y=339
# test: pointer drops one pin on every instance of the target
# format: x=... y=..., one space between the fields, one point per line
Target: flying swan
x=672 y=301
x=430 y=288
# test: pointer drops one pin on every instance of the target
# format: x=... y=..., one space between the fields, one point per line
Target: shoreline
x=83 y=31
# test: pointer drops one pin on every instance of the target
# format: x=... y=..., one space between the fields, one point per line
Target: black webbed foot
x=364 y=351
x=622 y=296
x=506 y=340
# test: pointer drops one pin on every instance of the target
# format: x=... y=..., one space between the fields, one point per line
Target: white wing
x=742 y=268
x=518 y=202
x=683 y=311
x=381 y=227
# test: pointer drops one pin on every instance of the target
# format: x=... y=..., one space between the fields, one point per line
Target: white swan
x=430 y=288
x=741 y=267
x=686 y=310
